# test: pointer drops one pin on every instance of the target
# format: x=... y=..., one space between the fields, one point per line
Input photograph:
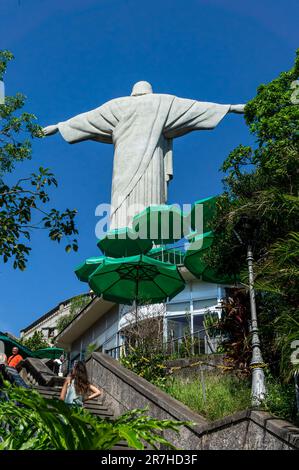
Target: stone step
x=101 y=414
x=45 y=388
x=94 y=406
x=48 y=392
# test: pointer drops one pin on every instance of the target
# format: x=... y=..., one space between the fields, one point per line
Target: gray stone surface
x=188 y=367
x=40 y=372
x=254 y=430
x=141 y=127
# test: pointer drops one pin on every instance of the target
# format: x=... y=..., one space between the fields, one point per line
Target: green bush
x=64 y=321
x=30 y=422
x=151 y=368
x=281 y=399
x=36 y=341
x=77 y=303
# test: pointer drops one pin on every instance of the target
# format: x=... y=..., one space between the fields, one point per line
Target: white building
x=47 y=323
x=101 y=323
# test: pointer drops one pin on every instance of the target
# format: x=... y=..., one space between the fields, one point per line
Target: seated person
x=15 y=358
x=77 y=388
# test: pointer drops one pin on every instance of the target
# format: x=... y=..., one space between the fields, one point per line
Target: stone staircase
x=94 y=406
x=36 y=374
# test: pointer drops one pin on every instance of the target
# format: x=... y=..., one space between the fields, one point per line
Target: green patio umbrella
x=195 y=260
x=49 y=353
x=138 y=279
x=85 y=269
x=124 y=242
x=205 y=207
x=162 y=224
x=9 y=343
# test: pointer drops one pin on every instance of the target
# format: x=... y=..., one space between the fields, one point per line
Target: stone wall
x=35 y=371
x=124 y=390
x=189 y=367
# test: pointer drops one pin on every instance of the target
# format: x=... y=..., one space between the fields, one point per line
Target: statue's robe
x=141 y=129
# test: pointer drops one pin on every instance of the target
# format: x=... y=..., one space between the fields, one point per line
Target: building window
x=178 y=307
x=198 y=326
x=51 y=332
x=178 y=326
x=204 y=304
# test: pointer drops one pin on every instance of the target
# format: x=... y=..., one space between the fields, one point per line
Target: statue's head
x=141 y=88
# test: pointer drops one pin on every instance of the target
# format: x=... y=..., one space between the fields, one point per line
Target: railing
x=192 y=344
x=188 y=345
x=118 y=352
x=169 y=255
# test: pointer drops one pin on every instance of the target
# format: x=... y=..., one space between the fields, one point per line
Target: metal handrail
x=116 y=351
x=191 y=334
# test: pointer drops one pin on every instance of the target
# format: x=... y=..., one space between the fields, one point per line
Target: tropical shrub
x=151 y=366
x=30 y=422
x=280 y=399
x=260 y=207
x=234 y=325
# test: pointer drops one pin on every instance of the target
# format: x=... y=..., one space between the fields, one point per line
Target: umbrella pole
x=136 y=297
x=136 y=302
x=136 y=314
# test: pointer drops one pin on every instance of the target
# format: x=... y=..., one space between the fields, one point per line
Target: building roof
x=11 y=336
x=83 y=321
x=50 y=313
x=10 y=343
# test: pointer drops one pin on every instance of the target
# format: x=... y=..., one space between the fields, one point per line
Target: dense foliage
x=216 y=395
x=149 y=366
x=36 y=341
x=23 y=202
x=233 y=326
x=30 y=422
x=64 y=321
x=77 y=303
x=260 y=206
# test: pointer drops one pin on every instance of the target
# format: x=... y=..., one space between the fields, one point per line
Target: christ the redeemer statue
x=141 y=127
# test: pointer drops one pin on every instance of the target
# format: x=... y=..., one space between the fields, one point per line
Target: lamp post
x=258 y=389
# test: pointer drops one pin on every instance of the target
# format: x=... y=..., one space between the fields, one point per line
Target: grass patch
x=227 y=394
x=224 y=394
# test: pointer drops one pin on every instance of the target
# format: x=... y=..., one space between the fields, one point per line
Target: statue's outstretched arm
x=50 y=130
x=237 y=108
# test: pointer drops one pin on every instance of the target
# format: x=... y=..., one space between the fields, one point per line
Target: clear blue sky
x=73 y=55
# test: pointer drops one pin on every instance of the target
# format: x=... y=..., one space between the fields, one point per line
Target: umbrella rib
x=106 y=272
x=111 y=285
x=160 y=288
